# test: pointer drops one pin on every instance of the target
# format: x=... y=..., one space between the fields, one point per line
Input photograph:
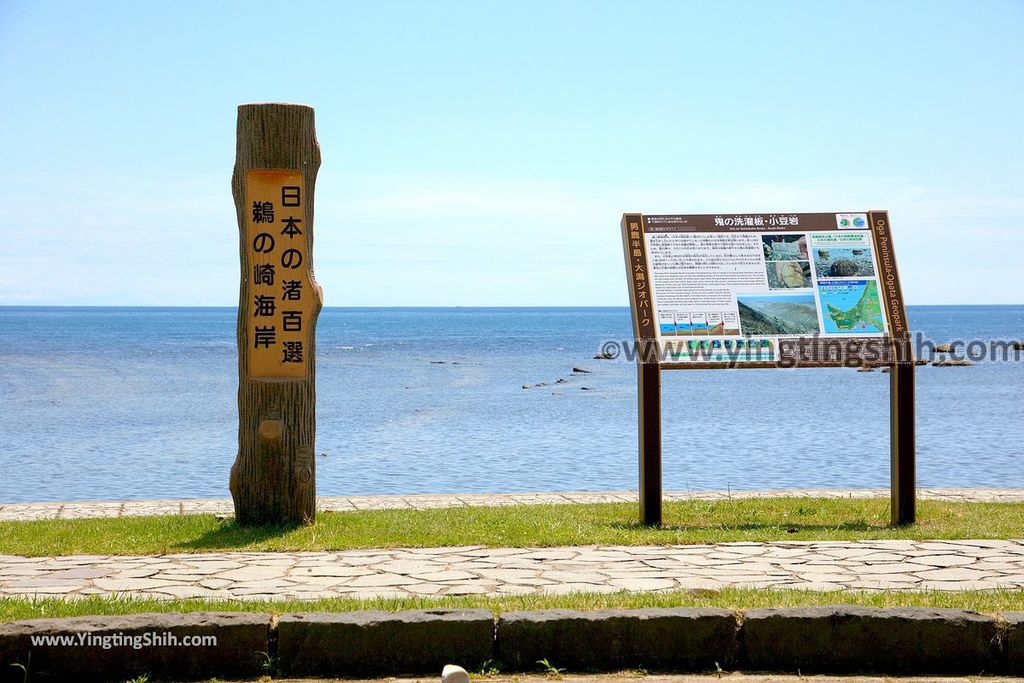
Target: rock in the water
x=857 y=252
x=1017 y=345
x=581 y=370
x=950 y=362
x=585 y=388
x=943 y=348
x=844 y=267
x=526 y=386
x=454 y=674
x=865 y=368
x=562 y=380
x=604 y=356
x=823 y=253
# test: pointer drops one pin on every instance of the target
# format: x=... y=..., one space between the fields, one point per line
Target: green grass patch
x=773 y=519
x=990 y=602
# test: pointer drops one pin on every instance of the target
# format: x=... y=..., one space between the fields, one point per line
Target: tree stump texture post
x=273 y=479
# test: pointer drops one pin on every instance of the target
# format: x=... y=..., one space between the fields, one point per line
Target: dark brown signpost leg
x=649 y=404
x=902 y=444
x=273 y=479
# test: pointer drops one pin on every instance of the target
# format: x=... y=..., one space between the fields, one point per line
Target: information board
x=764 y=290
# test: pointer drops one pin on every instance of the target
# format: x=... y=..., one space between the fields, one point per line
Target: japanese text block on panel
x=282 y=300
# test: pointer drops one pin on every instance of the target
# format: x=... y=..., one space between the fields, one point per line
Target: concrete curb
x=832 y=639
x=849 y=639
x=102 y=648
x=612 y=640
x=1013 y=624
x=380 y=643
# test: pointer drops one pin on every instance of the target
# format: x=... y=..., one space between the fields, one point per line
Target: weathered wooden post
x=902 y=401
x=273 y=479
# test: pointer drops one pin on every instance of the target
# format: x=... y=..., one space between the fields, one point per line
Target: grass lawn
x=991 y=602
x=773 y=519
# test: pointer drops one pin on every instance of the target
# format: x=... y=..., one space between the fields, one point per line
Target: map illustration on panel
x=850 y=306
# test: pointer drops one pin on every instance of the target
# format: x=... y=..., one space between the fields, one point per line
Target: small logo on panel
x=852 y=221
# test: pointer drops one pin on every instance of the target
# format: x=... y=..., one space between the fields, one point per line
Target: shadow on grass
x=233 y=535
x=851 y=527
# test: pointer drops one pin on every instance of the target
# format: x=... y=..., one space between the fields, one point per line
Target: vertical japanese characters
x=638 y=277
x=281 y=297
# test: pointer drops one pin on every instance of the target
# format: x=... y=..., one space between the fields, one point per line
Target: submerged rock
x=581 y=370
x=951 y=362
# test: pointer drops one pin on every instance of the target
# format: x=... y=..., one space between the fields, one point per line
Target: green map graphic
x=851 y=306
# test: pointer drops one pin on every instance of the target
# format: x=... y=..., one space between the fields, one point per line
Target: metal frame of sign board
x=895 y=347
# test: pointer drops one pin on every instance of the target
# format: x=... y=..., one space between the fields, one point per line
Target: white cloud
x=457 y=240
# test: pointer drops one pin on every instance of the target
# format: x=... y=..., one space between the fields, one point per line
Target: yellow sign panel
x=282 y=294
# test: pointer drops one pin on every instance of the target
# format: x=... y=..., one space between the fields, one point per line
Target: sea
x=140 y=403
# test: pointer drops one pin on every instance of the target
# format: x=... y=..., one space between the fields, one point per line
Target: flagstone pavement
x=813 y=565
x=874 y=565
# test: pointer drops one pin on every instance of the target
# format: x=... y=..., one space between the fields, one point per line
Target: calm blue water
x=122 y=403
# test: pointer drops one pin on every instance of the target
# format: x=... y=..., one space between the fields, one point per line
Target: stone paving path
x=871 y=565
x=135 y=508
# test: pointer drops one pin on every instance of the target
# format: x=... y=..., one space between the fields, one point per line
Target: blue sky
x=481 y=153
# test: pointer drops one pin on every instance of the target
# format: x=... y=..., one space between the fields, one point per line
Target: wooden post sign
x=273 y=479
x=768 y=291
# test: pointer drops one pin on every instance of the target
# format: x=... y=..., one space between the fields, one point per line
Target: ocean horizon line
x=401 y=307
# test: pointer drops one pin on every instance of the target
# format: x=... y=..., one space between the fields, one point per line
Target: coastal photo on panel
x=781 y=314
